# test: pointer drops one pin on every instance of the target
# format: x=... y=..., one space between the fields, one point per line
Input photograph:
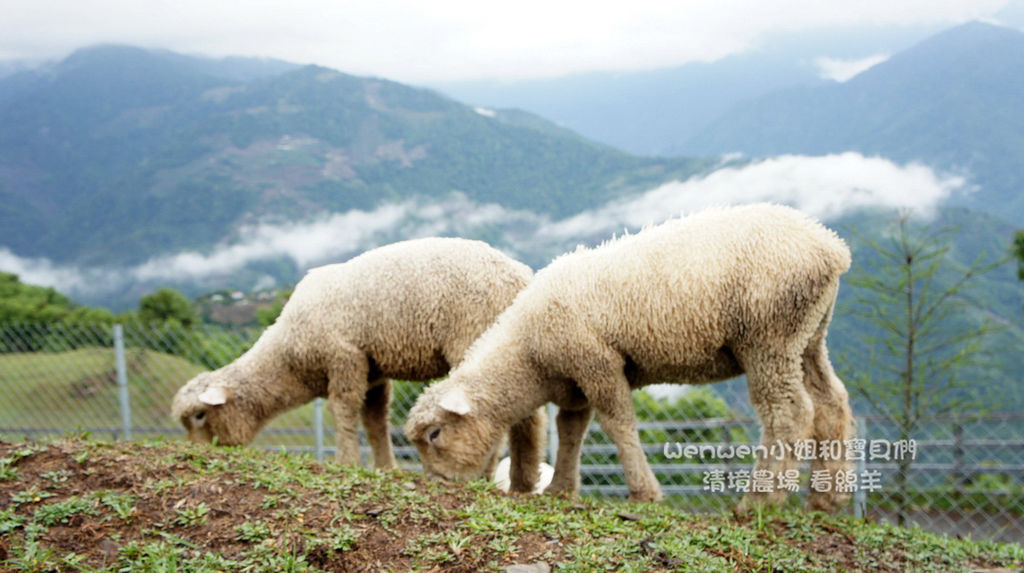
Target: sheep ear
x=214 y=396
x=455 y=401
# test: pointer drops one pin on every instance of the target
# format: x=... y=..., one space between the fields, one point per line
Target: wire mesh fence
x=961 y=475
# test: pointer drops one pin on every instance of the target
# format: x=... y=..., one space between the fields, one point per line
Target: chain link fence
x=961 y=475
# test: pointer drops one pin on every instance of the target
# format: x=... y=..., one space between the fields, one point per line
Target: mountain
x=642 y=112
x=952 y=102
x=136 y=169
x=117 y=154
x=650 y=112
x=949 y=99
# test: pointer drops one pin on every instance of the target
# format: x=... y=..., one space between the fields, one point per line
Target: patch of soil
x=162 y=491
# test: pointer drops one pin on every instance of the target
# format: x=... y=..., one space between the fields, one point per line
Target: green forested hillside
x=118 y=154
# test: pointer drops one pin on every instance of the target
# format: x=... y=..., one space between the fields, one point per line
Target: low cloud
x=844 y=70
x=43 y=272
x=335 y=237
x=827 y=187
x=305 y=243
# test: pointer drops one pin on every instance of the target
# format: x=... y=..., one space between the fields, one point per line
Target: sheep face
x=453 y=443
x=210 y=410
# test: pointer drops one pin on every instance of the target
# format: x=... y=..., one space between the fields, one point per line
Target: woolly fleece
x=407 y=311
x=699 y=299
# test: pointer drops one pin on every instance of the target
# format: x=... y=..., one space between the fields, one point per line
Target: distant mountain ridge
x=117 y=154
x=651 y=112
x=641 y=112
x=953 y=102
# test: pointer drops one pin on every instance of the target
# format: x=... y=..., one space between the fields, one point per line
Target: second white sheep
x=406 y=311
x=696 y=300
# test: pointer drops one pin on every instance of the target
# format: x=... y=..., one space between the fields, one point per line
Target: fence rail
x=966 y=476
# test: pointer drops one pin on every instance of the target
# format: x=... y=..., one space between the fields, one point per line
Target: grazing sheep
x=700 y=299
x=407 y=311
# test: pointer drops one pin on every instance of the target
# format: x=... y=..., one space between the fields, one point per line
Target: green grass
x=174 y=506
x=78 y=388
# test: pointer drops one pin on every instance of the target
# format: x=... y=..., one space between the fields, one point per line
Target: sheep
x=698 y=299
x=408 y=311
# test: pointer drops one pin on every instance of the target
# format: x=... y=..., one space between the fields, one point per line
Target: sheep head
x=210 y=408
x=454 y=441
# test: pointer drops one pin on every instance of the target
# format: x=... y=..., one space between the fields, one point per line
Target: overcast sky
x=445 y=40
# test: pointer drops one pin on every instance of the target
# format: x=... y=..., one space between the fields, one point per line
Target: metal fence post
x=318 y=429
x=122 y=383
x=860 y=497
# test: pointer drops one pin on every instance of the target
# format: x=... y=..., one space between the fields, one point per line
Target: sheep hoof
x=645 y=496
x=565 y=490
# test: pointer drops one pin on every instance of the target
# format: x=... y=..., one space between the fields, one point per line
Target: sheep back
x=676 y=299
x=413 y=307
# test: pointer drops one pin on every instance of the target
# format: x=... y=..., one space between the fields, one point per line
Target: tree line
x=41 y=319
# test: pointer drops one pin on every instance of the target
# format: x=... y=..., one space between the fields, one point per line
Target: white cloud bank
x=334 y=237
x=305 y=243
x=826 y=187
x=41 y=271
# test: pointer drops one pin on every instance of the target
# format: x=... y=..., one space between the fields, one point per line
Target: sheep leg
x=345 y=410
x=784 y=407
x=493 y=459
x=618 y=420
x=833 y=426
x=375 y=421
x=526 y=450
x=572 y=426
x=346 y=392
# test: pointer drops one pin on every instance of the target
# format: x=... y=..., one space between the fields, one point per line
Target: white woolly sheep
x=699 y=299
x=407 y=311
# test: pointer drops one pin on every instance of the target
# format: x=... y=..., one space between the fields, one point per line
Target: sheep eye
x=432 y=437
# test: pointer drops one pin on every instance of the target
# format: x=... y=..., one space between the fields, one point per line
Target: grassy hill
x=168 y=506
x=78 y=389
